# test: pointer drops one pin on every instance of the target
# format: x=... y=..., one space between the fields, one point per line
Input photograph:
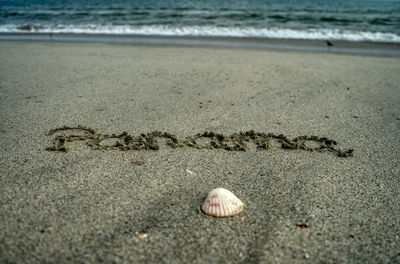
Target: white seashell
x=142 y=236
x=222 y=203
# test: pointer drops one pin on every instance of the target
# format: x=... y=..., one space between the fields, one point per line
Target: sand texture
x=310 y=142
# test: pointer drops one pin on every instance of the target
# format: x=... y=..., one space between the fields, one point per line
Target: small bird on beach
x=329 y=43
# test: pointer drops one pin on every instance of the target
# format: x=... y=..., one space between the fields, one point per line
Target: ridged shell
x=222 y=203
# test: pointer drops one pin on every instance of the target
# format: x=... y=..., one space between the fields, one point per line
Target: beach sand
x=91 y=206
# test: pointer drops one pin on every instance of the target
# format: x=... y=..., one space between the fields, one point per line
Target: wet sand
x=335 y=46
x=91 y=205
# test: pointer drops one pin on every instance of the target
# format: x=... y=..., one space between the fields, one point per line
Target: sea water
x=352 y=20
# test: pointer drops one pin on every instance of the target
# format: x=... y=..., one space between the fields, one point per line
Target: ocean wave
x=212 y=31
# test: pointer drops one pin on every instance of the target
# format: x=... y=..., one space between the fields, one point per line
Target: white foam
x=322 y=34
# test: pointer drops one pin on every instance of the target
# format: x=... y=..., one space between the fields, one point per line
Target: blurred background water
x=354 y=20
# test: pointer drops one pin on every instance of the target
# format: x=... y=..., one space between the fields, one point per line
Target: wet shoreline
x=325 y=46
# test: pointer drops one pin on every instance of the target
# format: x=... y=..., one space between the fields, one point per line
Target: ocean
x=349 y=20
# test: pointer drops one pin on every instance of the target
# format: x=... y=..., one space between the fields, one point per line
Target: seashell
x=142 y=236
x=222 y=203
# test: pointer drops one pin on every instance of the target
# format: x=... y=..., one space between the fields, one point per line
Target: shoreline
x=340 y=47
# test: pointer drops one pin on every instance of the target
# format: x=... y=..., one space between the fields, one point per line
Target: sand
x=90 y=206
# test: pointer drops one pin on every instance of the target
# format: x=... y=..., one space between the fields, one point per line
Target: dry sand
x=89 y=206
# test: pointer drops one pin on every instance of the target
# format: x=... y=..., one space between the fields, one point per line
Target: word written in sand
x=207 y=140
